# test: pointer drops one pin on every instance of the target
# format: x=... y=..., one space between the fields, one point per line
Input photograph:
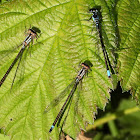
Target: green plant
x=66 y=40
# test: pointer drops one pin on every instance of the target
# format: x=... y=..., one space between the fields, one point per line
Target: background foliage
x=48 y=67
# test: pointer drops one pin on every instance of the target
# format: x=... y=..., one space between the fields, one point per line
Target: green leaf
x=129 y=56
x=67 y=40
x=2 y=1
x=2 y=137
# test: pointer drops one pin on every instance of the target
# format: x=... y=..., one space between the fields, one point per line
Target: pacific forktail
x=31 y=34
x=84 y=70
x=95 y=18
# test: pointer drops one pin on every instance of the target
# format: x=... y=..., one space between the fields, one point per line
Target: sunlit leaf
x=67 y=40
x=129 y=55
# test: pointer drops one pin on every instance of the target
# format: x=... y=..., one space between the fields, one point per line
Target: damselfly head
x=34 y=31
x=87 y=64
x=94 y=11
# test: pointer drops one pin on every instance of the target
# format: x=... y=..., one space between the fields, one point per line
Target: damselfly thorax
x=82 y=72
x=31 y=34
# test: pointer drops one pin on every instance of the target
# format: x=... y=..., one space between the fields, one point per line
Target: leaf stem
x=112 y=116
x=113 y=129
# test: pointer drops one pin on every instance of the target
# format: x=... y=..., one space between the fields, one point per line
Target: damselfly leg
x=58 y=99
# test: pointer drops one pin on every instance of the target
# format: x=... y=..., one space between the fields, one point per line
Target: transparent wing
x=17 y=69
x=20 y=70
x=76 y=102
x=5 y=54
x=71 y=101
x=63 y=123
x=57 y=100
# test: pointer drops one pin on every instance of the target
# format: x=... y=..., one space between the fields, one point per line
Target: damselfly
x=95 y=18
x=84 y=70
x=31 y=34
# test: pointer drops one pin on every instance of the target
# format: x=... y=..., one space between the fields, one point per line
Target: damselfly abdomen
x=96 y=19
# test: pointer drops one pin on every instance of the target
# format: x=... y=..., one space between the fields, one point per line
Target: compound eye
x=91 y=10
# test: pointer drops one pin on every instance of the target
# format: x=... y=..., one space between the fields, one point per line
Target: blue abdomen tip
x=52 y=126
x=51 y=129
x=108 y=73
